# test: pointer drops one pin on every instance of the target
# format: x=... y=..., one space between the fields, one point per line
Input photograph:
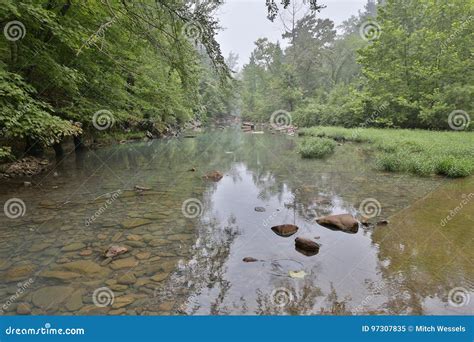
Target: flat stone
x=59 y=275
x=102 y=236
x=127 y=279
x=160 y=277
x=4 y=264
x=111 y=282
x=117 y=312
x=344 y=222
x=93 y=310
x=63 y=261
x=23 y=309
x=158 y=242
x=124 y=263
x=84 y=267
x=143 y=255
x=178 y=237
x=51 y=296
x=122 y=301
x=105 y=262
x=135 y=222
x=166 y=306
x=136 y=244
x=86 y=252
x=142 y=281
x=39 y=247
x=73 y=247
x=19 y=273
x=116 y=237
x=118 y=287
x=133 y=237
x=74 y=302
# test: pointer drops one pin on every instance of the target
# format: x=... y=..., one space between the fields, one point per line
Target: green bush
x=316 y=147
x=454 y=168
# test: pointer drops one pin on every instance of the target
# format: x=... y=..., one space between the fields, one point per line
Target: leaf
x=297 y=274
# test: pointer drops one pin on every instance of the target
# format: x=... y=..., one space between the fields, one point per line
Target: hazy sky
x=246 y=20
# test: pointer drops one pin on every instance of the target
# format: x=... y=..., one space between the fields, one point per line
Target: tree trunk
x=33 y=147
x=58 y=149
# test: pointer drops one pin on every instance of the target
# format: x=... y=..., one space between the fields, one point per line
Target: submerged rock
x=214 y=176
x=51 y=296
x=260 y=209
x=135 y=222
x=124 y=263
x=83 y=267
x=59 y=275
x=23 y=309
x=127 y=279
x=114 y=251
x=73 y=247
x=19 y=273
x=344 y=222
x=285 y=230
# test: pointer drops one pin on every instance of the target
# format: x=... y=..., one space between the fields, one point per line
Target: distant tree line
x=402 y=64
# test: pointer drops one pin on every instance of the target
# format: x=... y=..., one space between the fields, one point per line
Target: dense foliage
x=144 y=65
x=401 y=64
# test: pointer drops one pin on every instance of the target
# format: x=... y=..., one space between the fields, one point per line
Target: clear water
x=193 y=265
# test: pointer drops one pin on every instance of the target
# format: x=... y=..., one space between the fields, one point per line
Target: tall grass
x=419 y=152
x=313 y=147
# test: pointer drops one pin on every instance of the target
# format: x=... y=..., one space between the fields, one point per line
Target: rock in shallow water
x=73 y=247
x=51 y=296
x=306 y=246
x=285 y=230
x=344 y=222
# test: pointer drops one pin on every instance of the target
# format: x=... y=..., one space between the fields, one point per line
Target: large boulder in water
x=345 y=222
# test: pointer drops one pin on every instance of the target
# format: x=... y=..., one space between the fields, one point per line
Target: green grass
x=420 y=152
x=313 y=147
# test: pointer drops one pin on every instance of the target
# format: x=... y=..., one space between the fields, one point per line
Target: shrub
x=316 y=147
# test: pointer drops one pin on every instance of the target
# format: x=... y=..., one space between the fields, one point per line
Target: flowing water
x=187 y=236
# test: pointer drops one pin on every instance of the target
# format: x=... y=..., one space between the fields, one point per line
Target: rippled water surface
x=188 y=259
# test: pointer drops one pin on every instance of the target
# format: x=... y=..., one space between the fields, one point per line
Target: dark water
x=187 y=236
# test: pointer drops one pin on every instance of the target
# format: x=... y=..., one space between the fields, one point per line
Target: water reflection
x=184 y=265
